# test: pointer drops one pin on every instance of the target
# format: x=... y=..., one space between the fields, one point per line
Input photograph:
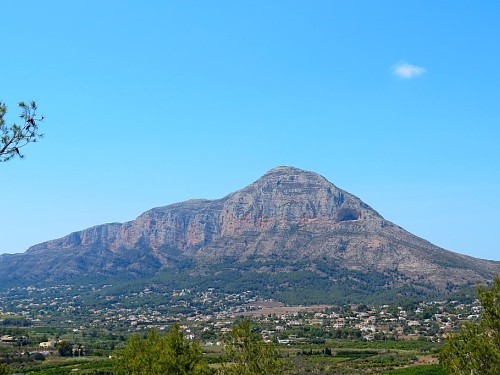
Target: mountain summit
x=288 y=221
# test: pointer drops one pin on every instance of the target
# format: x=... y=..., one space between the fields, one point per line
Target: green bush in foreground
x=4 y=369
x=157 y=355
x=247 y=354
x=476 y=348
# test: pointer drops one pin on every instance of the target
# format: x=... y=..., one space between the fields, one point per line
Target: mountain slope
x=287 y=221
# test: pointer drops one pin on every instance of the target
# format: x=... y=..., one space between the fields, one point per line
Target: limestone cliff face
x=283 y=197
x=288 y=214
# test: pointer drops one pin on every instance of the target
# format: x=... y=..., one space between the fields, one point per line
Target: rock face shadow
x=347 y=214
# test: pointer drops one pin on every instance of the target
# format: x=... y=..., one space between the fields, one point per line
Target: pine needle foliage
x=475 y=350
x=172 y=354
x=247 y=354
x=14 y=137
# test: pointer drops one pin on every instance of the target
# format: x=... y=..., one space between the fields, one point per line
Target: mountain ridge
x=285 y=219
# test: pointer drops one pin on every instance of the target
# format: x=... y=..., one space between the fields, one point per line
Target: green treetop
x=4 y=369
x=475 y=350
x=248 y=354
x=156 y=355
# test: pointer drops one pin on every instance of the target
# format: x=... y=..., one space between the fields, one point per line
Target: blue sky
x=151 y=103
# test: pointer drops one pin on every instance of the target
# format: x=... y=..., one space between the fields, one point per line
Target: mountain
x=288 y=232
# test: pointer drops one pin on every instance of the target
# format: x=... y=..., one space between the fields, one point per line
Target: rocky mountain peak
x=294 y=195
x=288 y=175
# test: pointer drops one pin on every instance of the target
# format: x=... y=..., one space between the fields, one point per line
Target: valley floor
x=68 y=329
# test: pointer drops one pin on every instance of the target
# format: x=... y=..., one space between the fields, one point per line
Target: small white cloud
x=405 y=70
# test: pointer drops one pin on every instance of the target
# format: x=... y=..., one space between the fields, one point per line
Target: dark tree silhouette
x=14 y=137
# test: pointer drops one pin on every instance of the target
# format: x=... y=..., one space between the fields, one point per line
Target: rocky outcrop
x=288 y=214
